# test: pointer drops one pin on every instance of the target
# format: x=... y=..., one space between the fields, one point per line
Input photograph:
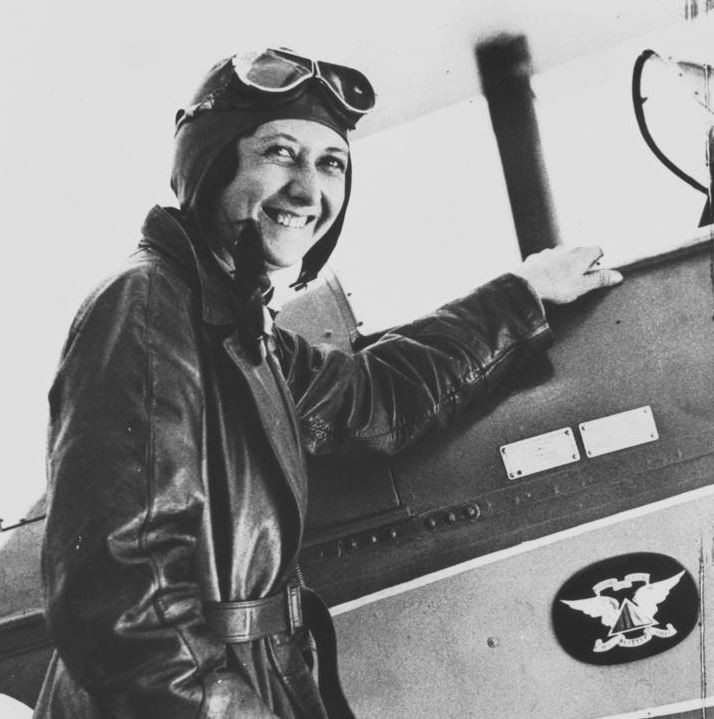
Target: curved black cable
x=638 y=101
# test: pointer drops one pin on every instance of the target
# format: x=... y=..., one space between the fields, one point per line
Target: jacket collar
x=163 y=231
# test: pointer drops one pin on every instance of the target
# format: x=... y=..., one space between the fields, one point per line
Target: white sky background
x=90 y=88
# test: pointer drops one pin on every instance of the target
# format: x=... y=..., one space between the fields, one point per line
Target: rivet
x=450 y=517
x=470 y=511
x=352 y=544
x=392 y=534
x=373 y=539
x=492 y=642
x=430 y=523
x=527 y=495
x=567 y=431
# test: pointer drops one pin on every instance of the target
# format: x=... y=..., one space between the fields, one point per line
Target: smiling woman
x=176 y=464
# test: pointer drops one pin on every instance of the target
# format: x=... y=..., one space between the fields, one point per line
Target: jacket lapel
x=277 y=417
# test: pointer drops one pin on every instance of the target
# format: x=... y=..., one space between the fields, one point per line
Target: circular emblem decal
x=625 y=608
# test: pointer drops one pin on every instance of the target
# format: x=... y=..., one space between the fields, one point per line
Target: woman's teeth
x=287 y=219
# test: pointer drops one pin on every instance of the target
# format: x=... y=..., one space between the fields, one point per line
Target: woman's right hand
x=562 y=274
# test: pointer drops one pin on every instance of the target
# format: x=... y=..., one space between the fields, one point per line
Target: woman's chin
x=281 y=253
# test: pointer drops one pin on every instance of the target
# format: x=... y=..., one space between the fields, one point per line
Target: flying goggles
x=282 y=71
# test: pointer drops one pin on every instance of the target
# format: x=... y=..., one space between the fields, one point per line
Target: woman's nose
x=304 y=186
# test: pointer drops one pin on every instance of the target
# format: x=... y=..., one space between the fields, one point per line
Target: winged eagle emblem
x=629 y=616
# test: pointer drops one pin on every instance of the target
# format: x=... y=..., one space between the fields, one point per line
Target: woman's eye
x=281 y=151
x=335 y=163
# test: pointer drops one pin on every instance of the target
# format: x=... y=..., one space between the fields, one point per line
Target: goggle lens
x=350 y=85
x=271 y=71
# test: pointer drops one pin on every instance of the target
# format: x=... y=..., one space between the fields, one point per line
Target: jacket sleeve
x=125 y=510
x=416 y=376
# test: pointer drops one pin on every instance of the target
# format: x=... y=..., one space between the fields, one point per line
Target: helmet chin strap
x=251 y=283
x=316 y=257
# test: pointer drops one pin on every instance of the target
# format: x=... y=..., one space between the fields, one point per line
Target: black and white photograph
x=358 y=360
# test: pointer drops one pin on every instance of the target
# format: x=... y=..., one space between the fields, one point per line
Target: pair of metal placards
x=560 y=447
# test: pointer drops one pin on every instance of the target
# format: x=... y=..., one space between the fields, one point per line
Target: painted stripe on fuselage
x=666 y=709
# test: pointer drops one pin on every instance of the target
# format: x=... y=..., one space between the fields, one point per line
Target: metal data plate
x=536 y=454
x=618 y=431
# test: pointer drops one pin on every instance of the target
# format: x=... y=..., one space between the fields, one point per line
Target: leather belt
x=236 y=622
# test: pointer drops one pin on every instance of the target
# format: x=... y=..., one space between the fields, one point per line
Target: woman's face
x=291 y=182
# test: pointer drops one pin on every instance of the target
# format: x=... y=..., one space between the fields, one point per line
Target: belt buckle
x=294 y=608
